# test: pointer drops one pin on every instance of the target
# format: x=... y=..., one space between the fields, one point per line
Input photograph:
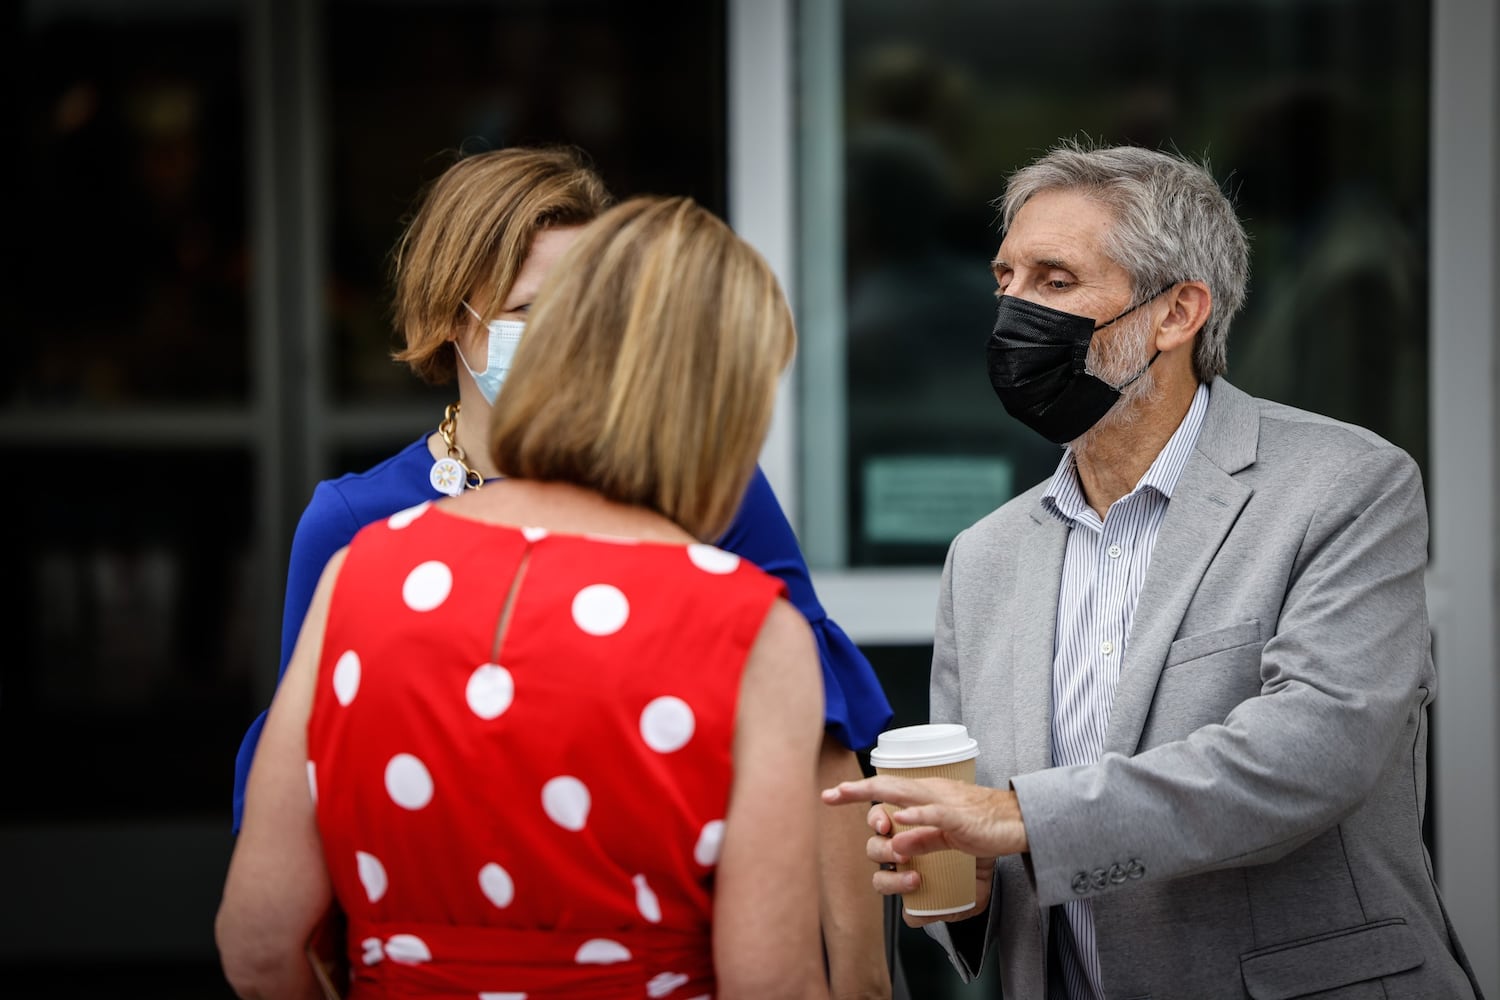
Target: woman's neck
x=568 y=508
x=462 y=433
x=471 y=433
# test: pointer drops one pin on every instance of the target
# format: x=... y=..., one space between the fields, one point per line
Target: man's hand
x=943 y=815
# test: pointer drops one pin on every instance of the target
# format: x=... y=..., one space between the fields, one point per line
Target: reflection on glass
x=131 y=619
x=131 y=210
x=1340 y=326
x=927 y=457
x=1315 y=120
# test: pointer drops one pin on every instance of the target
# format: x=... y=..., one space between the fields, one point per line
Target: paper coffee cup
x=939 y=750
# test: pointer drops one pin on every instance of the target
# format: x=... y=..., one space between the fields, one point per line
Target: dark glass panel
x=127 y=687
x=130 y=214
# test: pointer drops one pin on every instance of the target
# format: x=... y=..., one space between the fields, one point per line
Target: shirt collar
x=1064 y=498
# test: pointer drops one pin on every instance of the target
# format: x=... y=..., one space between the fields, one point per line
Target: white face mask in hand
x=504 y=338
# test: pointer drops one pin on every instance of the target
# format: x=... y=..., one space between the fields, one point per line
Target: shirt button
x=1114 y=551
x=1106 y=647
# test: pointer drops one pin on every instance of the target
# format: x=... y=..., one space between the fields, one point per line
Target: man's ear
x=1188 y=305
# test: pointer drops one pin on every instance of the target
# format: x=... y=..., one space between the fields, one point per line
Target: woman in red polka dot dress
x=538 y=740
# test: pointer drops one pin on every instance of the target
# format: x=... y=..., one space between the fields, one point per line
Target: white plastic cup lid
x=924 y=746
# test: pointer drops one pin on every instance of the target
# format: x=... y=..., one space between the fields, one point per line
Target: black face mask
x=1038 y=367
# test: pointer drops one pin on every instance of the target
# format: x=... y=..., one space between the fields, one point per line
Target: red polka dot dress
x=519 y=749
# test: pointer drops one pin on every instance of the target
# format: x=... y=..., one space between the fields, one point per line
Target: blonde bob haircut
x=470 y=237
x=649 y=366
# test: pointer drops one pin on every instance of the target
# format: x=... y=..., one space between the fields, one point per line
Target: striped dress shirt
x=1103 y=569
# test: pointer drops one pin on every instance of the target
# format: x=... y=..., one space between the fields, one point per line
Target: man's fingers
x=879 y=820
x=881 y=788
x=918 y=840
x=879 y=850
x=928 y=815
x=847 y=791
x=893 y=883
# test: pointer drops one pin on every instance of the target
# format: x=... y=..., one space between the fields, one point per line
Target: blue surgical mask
x=505 y=337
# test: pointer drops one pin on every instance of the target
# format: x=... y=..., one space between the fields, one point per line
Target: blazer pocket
x=1195 y=647
x=1328 y=961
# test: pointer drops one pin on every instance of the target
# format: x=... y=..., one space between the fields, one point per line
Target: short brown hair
x=649 y=366
x=1172 y=223
x=474 y=228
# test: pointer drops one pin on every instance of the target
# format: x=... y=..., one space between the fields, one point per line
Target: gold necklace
x=451 y=474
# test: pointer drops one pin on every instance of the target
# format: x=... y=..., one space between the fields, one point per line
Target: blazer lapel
x=1205 y=503
x=1038 y=583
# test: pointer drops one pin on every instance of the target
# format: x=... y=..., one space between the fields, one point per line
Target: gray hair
x=1172 y=223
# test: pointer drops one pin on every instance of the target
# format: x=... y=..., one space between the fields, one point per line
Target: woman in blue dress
x=465 y=271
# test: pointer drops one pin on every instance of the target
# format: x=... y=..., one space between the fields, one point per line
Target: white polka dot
x=646 y=901
x=490 y=691
x=346 y=677
x=566 y=801
x=495 y=882
x=713 y=560
x=510 y=996
x=408 y=949
x=427 y=586
x=534 y=534
x=667 y=724
x=601 y=951
x=663 y=983
x=371 y=875
x=600 y=609
x=312 y=781
x=374 y=951
x=402 y=518
x=408 y=781
x=709 y=841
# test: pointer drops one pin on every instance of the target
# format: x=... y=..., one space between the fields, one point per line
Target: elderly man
x=1196 y=660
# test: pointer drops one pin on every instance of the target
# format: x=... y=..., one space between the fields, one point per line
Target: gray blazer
x=1254 y=828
